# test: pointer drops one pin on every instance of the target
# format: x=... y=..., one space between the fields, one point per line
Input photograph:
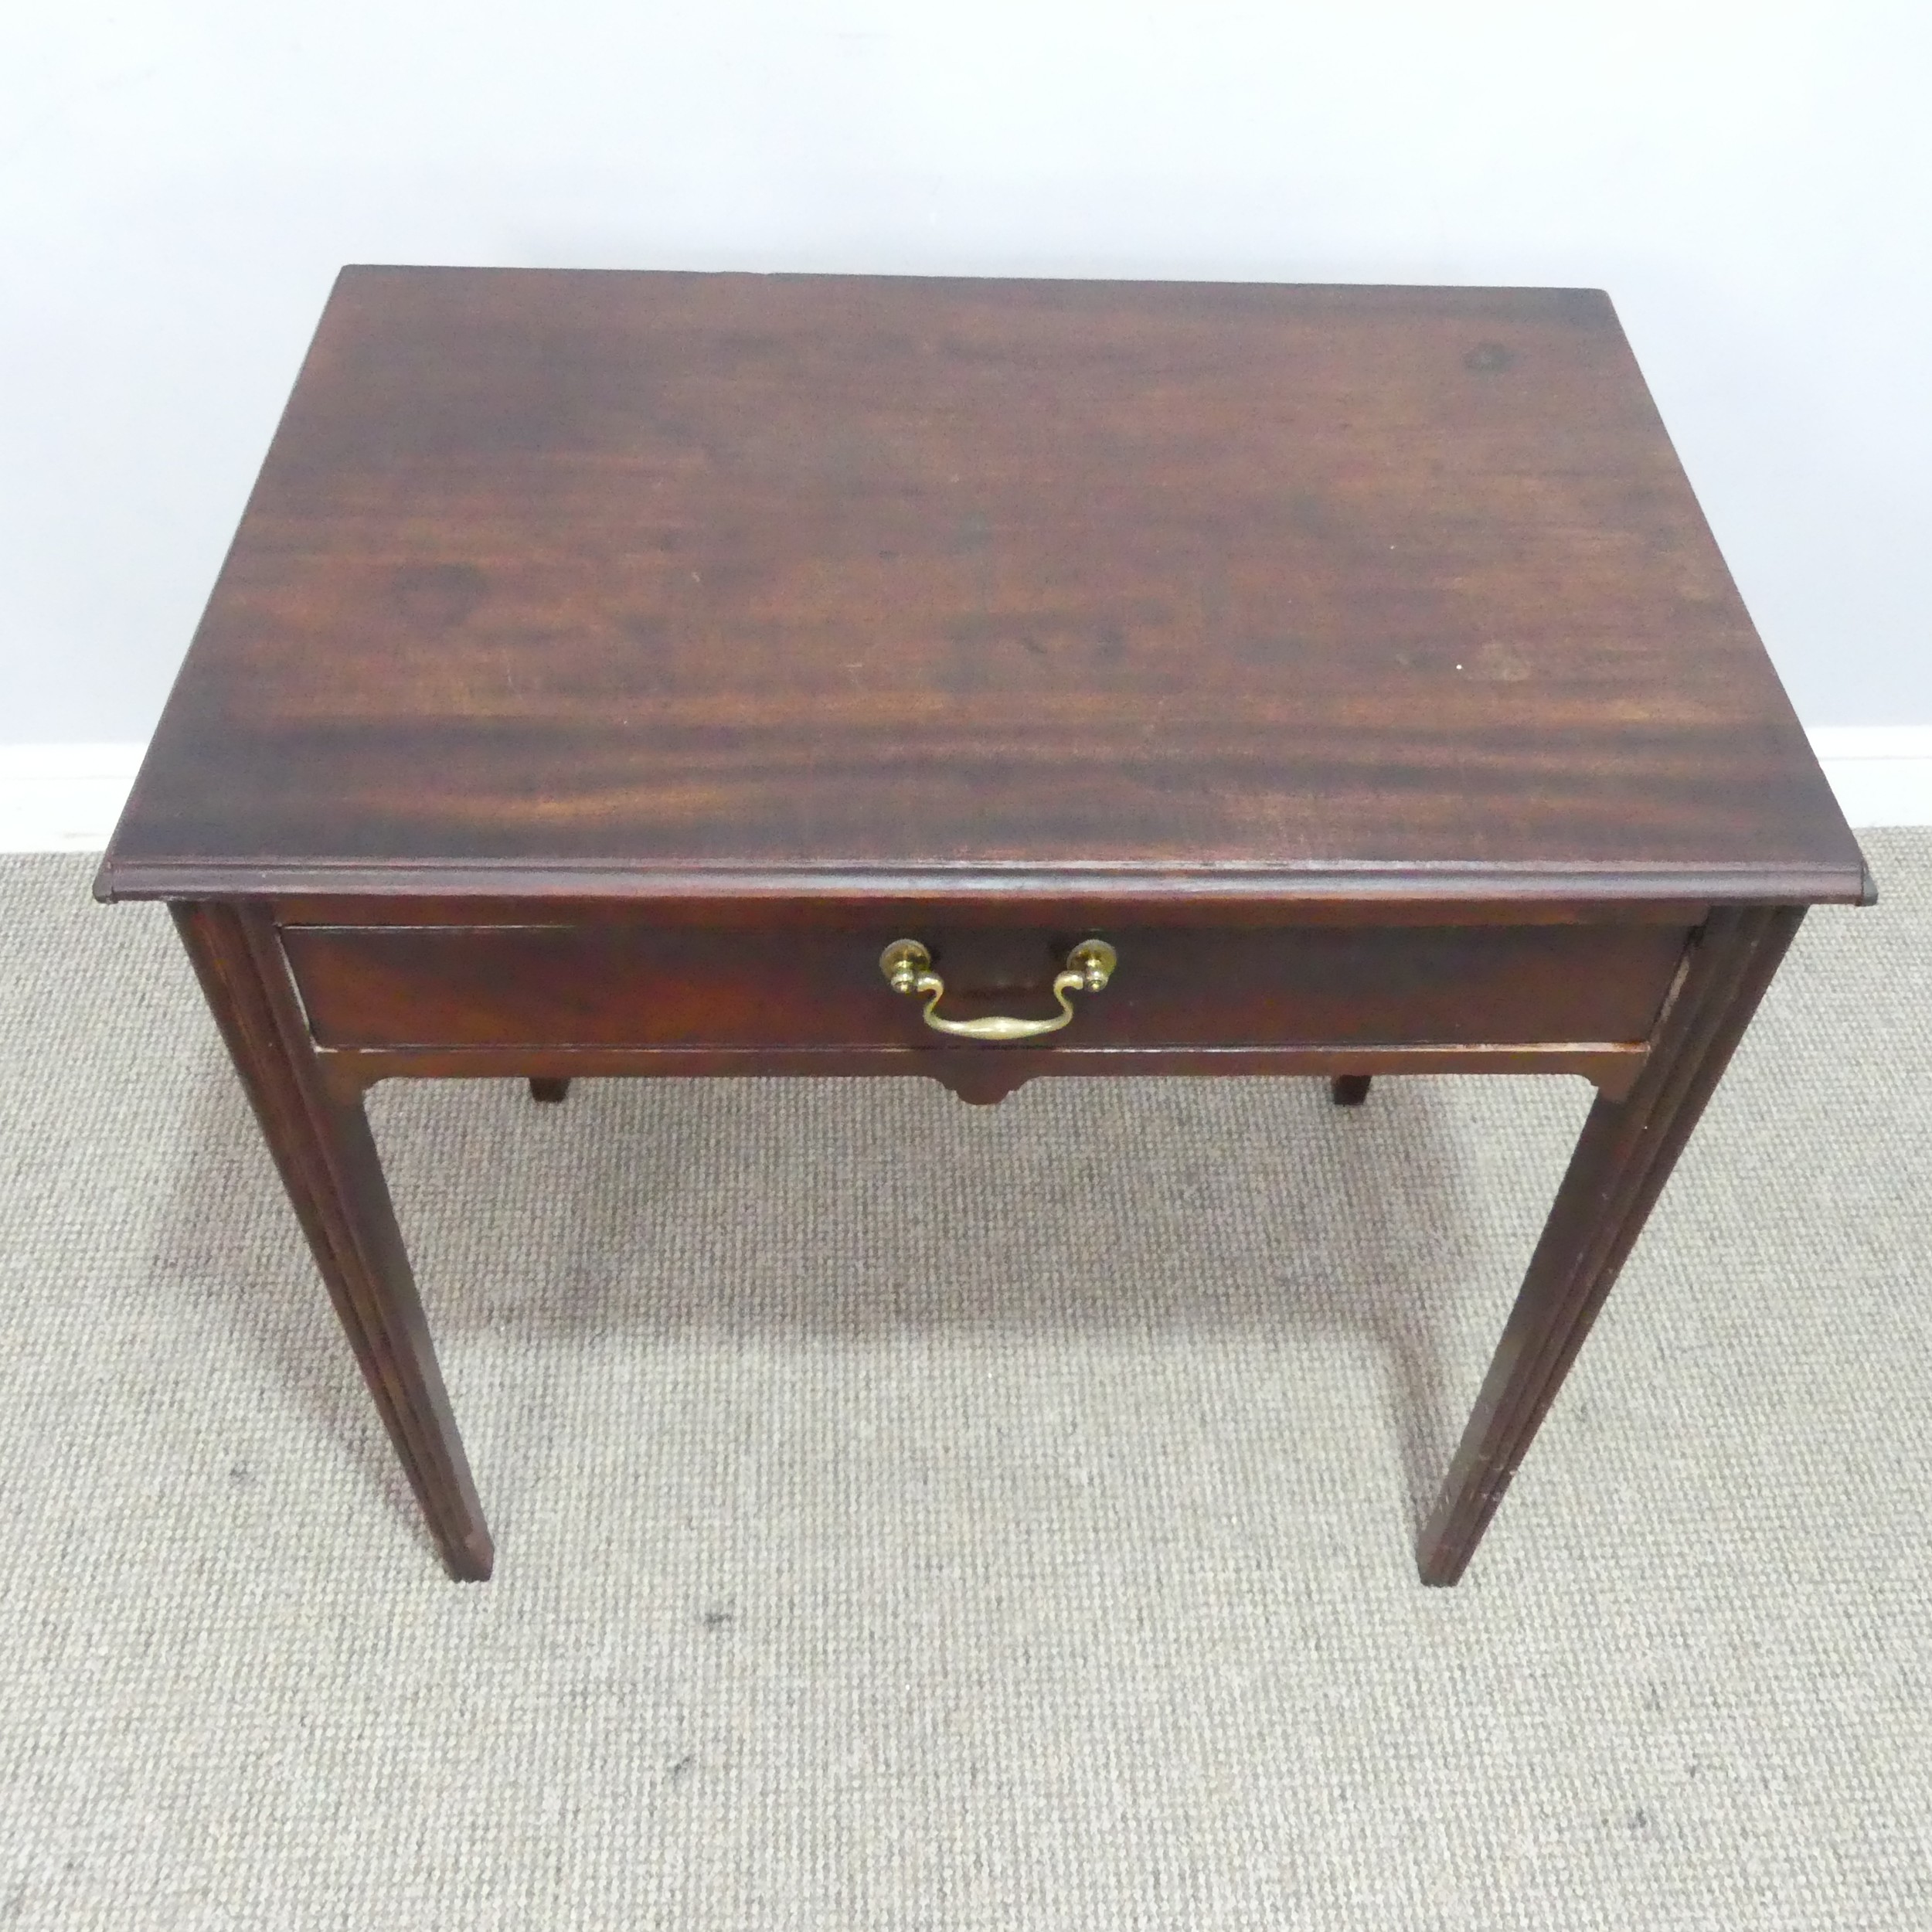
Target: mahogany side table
x=639 y=673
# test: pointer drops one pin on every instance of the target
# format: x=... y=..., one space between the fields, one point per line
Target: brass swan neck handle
x=908 y=968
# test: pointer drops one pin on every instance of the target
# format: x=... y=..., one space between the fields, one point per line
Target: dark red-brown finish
x=617 y=985
x=1626 y=1154
x=649 y=576
x=334 y=1177
x=608 y=666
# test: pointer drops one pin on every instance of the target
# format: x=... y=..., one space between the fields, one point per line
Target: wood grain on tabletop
x=638 y=574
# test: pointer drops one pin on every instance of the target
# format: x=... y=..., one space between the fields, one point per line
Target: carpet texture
x=916 y=1516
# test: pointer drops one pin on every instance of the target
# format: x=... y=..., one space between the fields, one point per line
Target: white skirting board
x=63 y=798
x=66 y=798
x=1882 y=774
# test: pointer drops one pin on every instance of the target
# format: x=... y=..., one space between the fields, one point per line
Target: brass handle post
x=908 y=968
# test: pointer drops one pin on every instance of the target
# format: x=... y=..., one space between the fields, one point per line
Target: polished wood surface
x=333 y=1176
x=612 y=985
x=1626 y=1153
x=609 y=666
x=655 y=582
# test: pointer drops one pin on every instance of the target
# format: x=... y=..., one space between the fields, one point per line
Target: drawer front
x=621 y=985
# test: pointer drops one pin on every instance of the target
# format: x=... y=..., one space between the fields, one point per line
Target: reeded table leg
x=334 y=1176
x=1625 y=1155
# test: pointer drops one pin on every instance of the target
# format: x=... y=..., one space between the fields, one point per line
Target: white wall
x=179 y=180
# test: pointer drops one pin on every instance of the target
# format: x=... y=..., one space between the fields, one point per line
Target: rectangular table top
x=640 y=584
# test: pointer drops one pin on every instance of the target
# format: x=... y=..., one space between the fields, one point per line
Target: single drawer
x=617 y=985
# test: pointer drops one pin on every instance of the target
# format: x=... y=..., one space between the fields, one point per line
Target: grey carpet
x=915 y=1516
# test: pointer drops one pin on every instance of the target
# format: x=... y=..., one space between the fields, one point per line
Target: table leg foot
x=329 y=1164
x=1624 y=1157
x=550 y=1090
x=1348 y=1090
